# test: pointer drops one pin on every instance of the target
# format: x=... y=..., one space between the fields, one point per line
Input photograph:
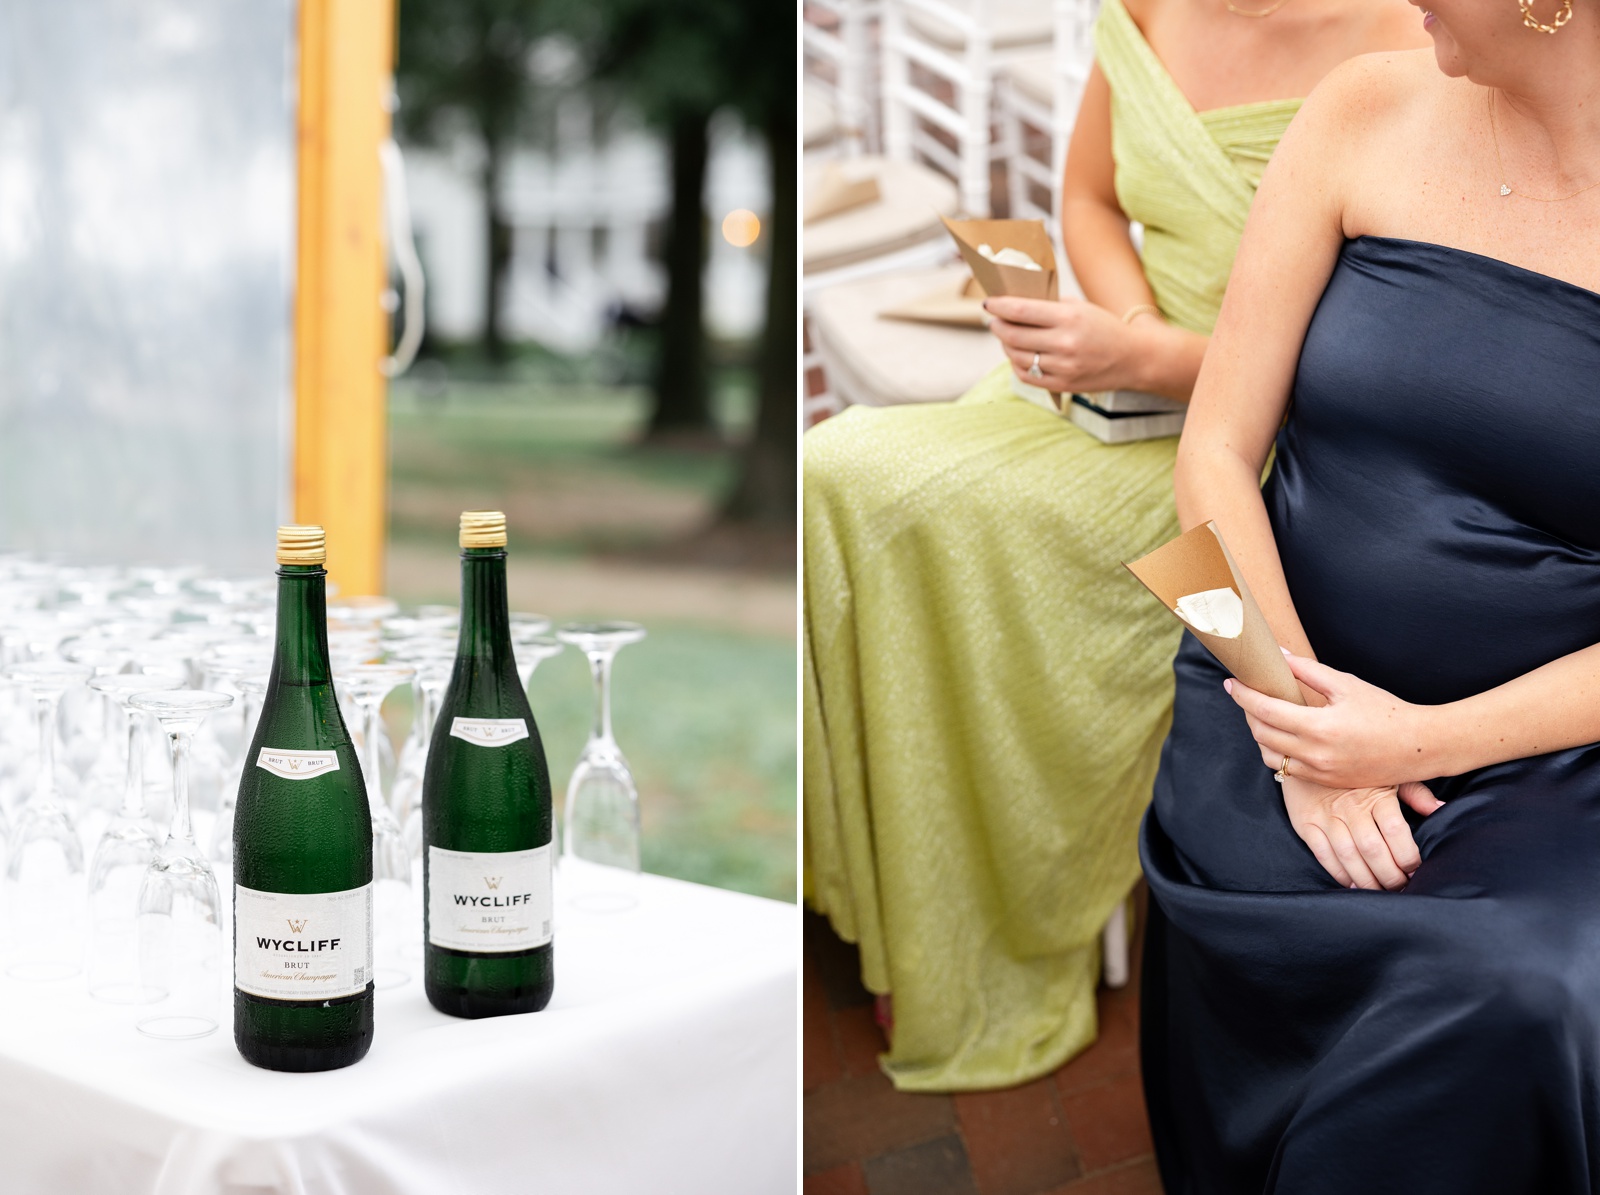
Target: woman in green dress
x=986 y=690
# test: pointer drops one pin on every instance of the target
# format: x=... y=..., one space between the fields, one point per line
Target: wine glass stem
x=181 y=829
x=133 y=780
x=44 y=784
x=369 y=748
x=431 y=695
x=600 y=666
x=248 y=729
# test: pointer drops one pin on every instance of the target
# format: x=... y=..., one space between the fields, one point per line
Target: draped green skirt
x=986 y=694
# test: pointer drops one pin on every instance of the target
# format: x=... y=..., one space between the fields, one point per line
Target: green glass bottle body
x=302 y=848
x=487 y=821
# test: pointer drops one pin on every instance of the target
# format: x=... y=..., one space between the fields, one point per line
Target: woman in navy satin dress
x=1384 y=973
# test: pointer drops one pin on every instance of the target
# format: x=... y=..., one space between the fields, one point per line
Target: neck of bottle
x=485 y=620
x=301 y=656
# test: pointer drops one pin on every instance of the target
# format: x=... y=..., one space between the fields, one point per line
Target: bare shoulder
x=1352 y=122
x=1142 y=10
x=1366 y=98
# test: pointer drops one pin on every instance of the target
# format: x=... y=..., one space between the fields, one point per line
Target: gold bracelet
x=1139 y=309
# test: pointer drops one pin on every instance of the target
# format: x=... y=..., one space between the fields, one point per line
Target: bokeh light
x=740 y=228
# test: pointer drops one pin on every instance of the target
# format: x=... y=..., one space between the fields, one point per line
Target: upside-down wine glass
x=368 y=685
x=600 y=826
x=180 y=910
x=434 y=661
x=44 y=865
x=529 y=624
x=532 y=649
x=251 y=689
x=124 y=853
x=92 y=750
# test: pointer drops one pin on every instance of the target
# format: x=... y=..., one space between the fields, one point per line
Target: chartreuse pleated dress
x=986 y=689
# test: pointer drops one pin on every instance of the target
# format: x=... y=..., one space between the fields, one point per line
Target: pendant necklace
x=1505 y=187
x=1256 y=12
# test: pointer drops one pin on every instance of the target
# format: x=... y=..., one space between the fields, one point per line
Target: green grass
x=705 y=715
x=707 y=720
x=508 y=429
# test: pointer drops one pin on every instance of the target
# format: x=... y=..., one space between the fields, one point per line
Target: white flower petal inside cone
x=1214 y=612
x=1008 y=257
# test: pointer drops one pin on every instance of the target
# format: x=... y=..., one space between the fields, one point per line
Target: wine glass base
x=604 y=902
x=42 y=972
x=127 y=993
x=384 y=978
x=177 y=1027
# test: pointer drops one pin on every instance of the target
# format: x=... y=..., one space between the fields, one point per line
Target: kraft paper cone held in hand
x=1026 y=237
x=1014 y=242
x=1195 y=577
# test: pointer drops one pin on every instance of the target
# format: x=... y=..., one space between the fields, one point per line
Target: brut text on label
x=297 y=765
x=489 y=902
x=303 y=945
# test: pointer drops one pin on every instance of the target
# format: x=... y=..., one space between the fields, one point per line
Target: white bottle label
x=489 y=902
x=489 y=732
x=297 y=765
x=302 y=945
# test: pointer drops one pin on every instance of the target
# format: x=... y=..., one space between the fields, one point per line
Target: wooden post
x=341 y=331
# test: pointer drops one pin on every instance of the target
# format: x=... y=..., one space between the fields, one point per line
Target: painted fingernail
x=1285 y=650
x=1227 y=685
x=1355 y=887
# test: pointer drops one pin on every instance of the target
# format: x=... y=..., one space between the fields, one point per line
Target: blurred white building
x=588 y=215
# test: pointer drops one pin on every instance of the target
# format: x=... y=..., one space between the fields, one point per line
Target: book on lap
x=1124 y=427
x=1111 y=416
x=1132 y=402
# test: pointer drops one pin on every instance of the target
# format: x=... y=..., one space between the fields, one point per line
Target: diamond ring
x=1033 y=370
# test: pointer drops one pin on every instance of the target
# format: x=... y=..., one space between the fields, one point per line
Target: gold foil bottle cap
x=483 y=529
x=302 y=545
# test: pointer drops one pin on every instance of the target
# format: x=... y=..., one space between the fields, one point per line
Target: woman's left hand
x=1362 y=738
x=1080 y=347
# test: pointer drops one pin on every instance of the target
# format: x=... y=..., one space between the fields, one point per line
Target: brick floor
x=1081 y=1131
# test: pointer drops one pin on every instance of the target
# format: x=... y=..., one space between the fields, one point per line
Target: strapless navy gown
x=1436 y=502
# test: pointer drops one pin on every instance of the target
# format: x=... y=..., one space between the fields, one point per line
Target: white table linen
x=665 y=1063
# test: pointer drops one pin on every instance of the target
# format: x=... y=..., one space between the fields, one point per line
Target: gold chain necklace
x=1505 y=187
x=1258 y=12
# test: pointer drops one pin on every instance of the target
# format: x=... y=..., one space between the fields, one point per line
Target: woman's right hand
x=1359 y=834
x=1078 y=346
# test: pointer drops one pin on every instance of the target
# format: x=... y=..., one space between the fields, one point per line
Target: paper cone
x=1196 y=561
x=959 y=305
x=837 y=192
x=1026 y=235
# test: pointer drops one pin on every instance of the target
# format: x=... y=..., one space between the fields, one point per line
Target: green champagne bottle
x=486 y=813
x=302 y=849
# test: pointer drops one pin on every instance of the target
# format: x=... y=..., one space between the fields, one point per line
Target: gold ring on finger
x=1282 y=773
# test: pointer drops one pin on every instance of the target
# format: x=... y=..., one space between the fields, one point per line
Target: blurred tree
x=679 y=61
x=668 y=58
x=466 y=64
x=765 y=491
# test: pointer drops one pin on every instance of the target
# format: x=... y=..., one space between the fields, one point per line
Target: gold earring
x=1533 y=22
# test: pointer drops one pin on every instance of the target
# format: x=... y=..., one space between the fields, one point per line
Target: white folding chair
x=1041 y=94
x=959 y=45
x=841 y=68
x=900 y=232
x=872 y=361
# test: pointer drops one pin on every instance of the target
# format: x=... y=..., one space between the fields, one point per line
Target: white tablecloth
x=665 y=1063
